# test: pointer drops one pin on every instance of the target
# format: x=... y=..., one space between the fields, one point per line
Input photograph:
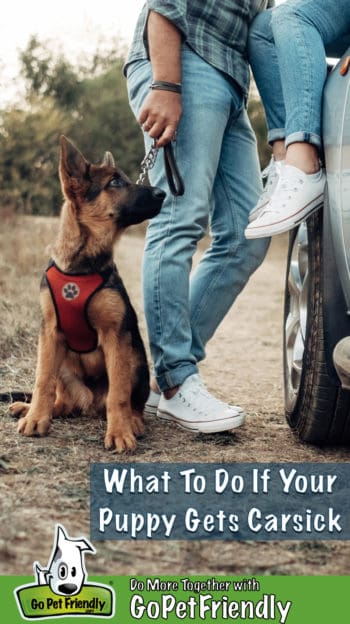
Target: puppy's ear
x=108 y=160
x=73 y=170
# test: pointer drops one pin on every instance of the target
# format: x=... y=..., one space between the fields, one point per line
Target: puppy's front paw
x=31 y=425
x=137 y=424
x=120 y=441
x=19 y=409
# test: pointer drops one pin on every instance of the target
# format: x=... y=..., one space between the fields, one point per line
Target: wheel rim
x=296 y=317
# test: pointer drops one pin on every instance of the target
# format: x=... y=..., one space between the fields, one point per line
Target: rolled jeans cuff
x=277 y=134
x=176 y=377
x=304 y=137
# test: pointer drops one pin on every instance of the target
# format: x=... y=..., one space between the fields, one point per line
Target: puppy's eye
x=62 y=571
x=74 y=571
x=116 y=182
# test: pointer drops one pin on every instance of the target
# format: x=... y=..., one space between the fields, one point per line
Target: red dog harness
x=71 y=295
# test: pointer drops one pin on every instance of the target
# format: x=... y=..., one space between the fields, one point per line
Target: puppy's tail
x=15 y=395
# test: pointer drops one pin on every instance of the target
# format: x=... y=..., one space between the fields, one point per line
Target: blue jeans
x=217 y=157
x=287 y=51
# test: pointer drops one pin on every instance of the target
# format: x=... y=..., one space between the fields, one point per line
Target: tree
x=89 y=104
x=28 y=157
x=46 y=75
x=104 y=120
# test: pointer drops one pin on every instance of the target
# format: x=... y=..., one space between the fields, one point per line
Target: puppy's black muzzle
x=144 y=202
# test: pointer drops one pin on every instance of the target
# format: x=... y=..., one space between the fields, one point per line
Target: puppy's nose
x=158 y=193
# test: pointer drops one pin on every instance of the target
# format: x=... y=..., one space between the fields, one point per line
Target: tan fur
x=88 y=229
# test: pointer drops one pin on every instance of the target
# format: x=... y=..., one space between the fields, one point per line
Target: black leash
x=173 y=175
x=174 y=178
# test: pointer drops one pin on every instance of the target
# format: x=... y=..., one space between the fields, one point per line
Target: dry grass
x=44 y=481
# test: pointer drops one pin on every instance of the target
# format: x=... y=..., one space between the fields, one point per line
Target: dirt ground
x=44 y=481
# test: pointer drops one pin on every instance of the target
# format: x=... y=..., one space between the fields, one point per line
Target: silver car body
x=336 y=138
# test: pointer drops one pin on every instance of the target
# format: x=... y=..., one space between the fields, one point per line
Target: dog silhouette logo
x=66 y=571
x=61 y=588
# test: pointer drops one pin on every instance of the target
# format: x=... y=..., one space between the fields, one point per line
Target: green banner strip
x=174 y=599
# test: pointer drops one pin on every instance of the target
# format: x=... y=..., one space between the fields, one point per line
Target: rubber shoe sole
x=150 y=410
x=289 y=223
x=215 y=426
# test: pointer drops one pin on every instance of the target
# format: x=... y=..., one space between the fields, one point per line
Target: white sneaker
x=193 y=407
x=271 y=173
x=296 y=196
x=152 y=403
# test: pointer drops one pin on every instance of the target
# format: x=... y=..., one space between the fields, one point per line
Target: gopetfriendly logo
x=60 y=589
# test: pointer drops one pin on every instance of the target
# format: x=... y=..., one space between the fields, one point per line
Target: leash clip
x=148 y=162
x=174 y=178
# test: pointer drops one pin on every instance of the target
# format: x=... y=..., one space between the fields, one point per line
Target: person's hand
x=160 y=115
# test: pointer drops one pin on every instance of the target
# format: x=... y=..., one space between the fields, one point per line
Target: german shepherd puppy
x=90 y=355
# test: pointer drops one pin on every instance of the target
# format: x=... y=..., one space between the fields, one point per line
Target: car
x=316 y=349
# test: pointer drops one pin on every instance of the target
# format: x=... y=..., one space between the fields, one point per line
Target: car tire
x=317 y=408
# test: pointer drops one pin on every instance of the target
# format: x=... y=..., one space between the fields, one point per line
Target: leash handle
x=174 y=178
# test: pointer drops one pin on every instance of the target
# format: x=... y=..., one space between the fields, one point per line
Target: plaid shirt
x=215 y=29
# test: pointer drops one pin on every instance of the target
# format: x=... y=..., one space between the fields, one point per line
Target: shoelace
x=206 y=394
x=193 y=393
x=202 y=390
x=270 y=173
x=290 y=184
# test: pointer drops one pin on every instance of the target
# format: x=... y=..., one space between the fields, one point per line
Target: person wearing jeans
x=287 y=50
x=187 y=73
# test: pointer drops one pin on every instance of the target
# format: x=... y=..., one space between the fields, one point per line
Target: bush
x=89 y=105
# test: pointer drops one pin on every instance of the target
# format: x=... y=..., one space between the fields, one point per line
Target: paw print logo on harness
x=70 y=291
